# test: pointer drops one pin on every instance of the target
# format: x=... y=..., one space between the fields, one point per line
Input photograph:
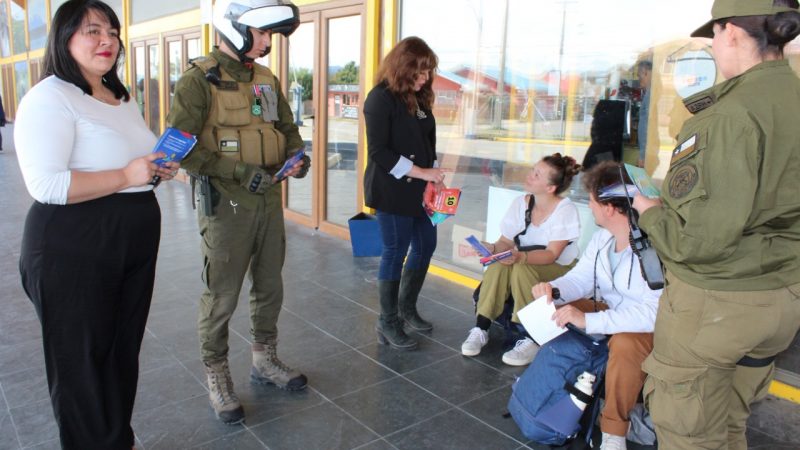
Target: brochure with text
x=176 y=144
x=294 y=159
x=440 y=205
x=642 y=184
x=486 y=256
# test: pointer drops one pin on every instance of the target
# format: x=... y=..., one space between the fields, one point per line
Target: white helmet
x=233 y=17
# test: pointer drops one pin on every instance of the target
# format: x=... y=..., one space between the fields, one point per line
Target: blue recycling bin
x=365 y=236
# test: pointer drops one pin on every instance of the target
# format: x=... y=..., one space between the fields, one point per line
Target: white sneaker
x=522 y=354
x=475 y=341
x=612 y=442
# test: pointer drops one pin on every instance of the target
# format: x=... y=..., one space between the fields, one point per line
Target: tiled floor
x=361 y=395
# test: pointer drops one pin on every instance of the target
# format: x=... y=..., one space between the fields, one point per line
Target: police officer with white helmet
x=245 y=133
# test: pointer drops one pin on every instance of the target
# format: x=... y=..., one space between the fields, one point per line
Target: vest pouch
x=251 y=147
x=274 y=147
x=228 y=142
x=233 y=109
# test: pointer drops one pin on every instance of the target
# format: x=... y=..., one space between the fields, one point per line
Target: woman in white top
x=91 y=237
x=554 y=227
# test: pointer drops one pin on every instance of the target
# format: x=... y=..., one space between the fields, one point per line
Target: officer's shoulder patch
x=685 y=149
x=696 y=105
x=683 y=180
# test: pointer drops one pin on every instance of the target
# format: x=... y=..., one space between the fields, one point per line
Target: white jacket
x=632 y=304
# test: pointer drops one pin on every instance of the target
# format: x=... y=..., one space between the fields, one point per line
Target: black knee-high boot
x=410 y=285
x=390 y=327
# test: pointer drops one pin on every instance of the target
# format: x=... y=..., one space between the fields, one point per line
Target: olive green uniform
x=246 y=230
x=729 y=236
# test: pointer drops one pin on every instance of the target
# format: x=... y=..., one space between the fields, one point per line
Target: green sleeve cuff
x=649 y=218
x=230 y=168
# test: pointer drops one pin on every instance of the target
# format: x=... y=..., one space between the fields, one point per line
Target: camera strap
x=648 y=259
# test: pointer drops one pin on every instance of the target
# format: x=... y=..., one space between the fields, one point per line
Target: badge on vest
x=684 y=150
x=268 y=100
x=228 y=85
x=229 y=146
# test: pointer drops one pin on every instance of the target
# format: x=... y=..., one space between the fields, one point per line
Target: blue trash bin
x=365 y=236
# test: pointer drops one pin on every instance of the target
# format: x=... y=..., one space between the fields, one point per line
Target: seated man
x=609 y=272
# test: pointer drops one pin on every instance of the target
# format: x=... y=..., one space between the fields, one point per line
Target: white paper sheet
x=536 y=318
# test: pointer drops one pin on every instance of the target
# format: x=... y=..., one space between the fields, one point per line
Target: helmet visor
x=283 y=19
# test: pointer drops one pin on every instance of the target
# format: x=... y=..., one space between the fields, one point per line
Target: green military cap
x=723 y=9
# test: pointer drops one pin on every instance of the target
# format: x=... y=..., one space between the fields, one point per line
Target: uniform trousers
x=624 y=377
x=238 y=242
x=698 y=397
x=89 y=269
x=517 y=279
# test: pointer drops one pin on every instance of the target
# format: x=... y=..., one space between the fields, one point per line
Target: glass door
x=322 y=80
x=342 y=77
x=299 y=87
x=179 y=49
x=145 y=76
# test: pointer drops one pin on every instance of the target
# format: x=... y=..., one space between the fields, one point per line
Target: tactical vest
x=231 y=128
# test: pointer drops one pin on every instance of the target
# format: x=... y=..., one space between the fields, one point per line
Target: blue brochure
x=289 y=163
x=176 y=144
x=476 y=244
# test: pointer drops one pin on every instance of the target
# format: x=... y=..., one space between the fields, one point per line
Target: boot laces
x=222 y=384
x=272 y=356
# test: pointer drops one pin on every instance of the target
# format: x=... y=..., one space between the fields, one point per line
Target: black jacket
x=391 y=133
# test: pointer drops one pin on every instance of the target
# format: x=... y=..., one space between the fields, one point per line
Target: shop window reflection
x=18 y=44
x=22 y=78
x=5 y=33
x=342 y=118
x=37 y=23
x=519 y=80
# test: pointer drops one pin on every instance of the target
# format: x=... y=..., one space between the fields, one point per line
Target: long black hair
x=58 y=60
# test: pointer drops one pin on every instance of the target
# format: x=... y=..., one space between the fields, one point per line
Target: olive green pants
x=697 y=396
x=518 y=279
x=235 y=242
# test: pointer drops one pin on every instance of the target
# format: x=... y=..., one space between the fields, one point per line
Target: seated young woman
x=543 y=250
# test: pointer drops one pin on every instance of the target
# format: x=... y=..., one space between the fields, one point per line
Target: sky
x=597 y=33
x=345 y=42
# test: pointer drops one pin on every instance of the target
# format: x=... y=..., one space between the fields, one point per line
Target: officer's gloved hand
x=252 y=178
x=304 y=168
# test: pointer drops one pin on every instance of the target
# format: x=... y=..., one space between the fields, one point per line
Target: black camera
x=648 y=259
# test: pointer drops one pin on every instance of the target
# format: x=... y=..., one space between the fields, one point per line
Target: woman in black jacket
x=401 y=138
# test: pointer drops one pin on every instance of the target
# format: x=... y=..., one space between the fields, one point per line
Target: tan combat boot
x=268 y=369
x=220 y=393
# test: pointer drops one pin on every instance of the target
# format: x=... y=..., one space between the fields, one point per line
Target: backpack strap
x=528 y=214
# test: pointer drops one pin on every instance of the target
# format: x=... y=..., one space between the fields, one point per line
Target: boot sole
x=383 y=340
x=409 y=325
x=235 y=421
x=255 y=379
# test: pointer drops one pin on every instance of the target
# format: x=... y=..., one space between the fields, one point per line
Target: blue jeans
x=398 y=233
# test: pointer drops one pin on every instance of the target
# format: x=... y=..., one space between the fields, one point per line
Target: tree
x=305 y=78
x=347 y=75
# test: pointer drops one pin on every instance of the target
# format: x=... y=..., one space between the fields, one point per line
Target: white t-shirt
x=58 y=128
x=562 y=225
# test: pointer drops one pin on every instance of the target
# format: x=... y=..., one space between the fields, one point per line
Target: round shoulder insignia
x=683 y=181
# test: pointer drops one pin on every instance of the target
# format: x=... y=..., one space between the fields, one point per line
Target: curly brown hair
x=399 y=70
x=603 y=175
x=564 y=169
